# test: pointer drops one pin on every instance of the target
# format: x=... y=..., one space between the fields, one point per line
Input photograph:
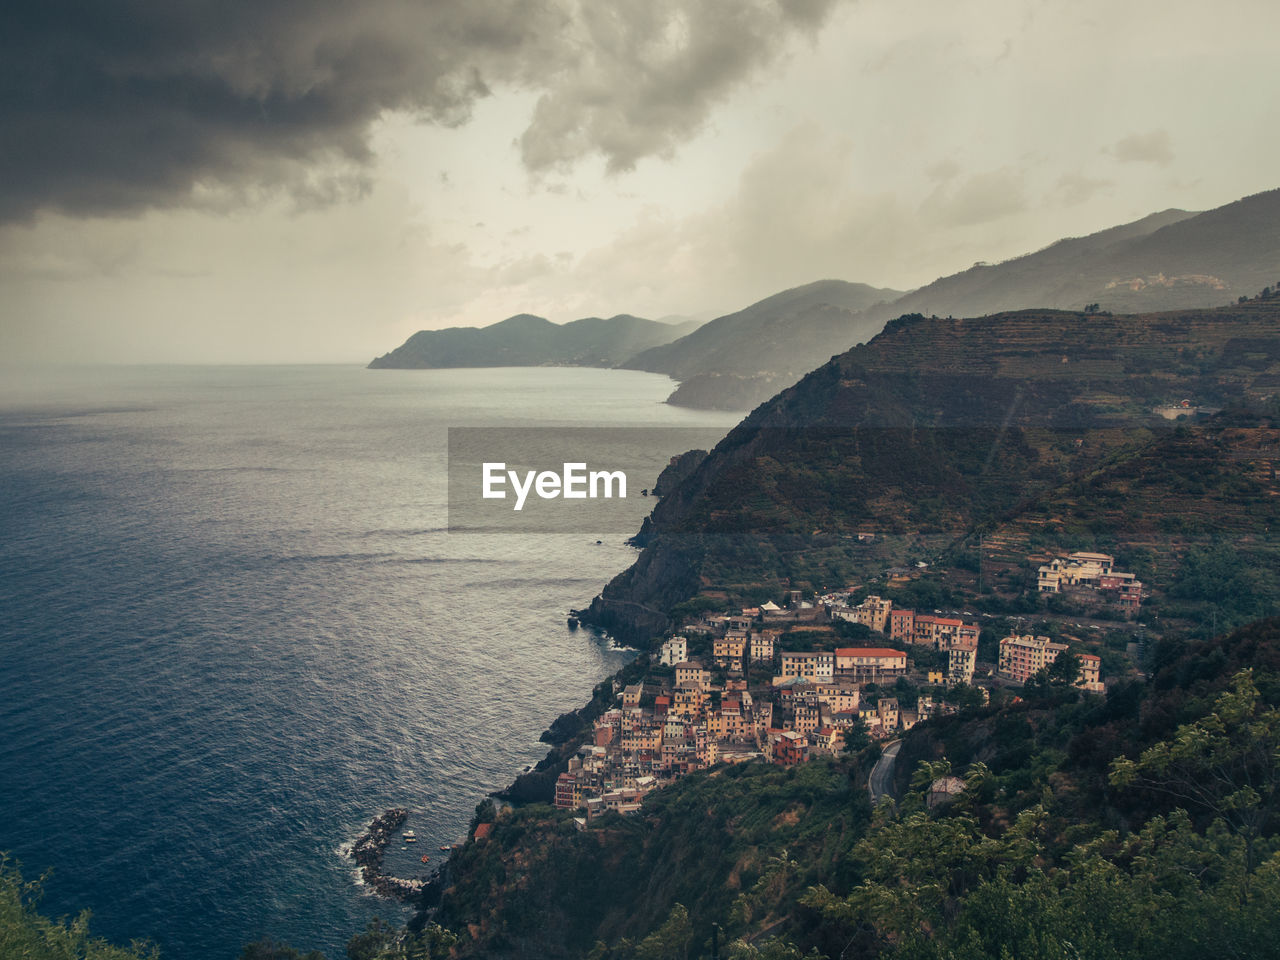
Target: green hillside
x=1191 y=513
x=1083 y=822
x=941 y=430
x=1141 y=823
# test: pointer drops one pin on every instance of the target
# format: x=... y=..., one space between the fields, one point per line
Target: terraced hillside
x=933 y=430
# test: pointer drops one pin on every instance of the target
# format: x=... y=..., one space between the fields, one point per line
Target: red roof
x=869 y=652
x=483 y=830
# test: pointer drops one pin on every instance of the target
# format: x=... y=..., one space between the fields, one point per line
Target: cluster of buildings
x=1094 y=572
x=664 y=728
x=668 y=726
x=1022 y=657
x=948 y=634
x=752 y=700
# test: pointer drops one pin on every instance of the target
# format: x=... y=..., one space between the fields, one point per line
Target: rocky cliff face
x=932 y=427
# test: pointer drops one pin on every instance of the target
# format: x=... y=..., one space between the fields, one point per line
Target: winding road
x=880 y=783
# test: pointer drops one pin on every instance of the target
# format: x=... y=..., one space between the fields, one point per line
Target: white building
x=675 y=650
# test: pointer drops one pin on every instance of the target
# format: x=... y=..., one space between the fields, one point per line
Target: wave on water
x=419 y=532
x=445 y=560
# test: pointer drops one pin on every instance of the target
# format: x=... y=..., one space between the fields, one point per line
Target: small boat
x=447 y=847
x=409 y=837
x=425 y=858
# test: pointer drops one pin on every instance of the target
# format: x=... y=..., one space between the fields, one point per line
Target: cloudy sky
x=314 y=180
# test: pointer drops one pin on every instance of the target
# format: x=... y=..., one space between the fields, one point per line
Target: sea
x=235 y=627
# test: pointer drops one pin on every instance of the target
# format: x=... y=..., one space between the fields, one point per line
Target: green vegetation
x=1190 y=513
x=735 y=846
x=948 y=885
x=1013 y=436
x=379 y=941
x=1227 y=763
x=25 y=933
x=942 y=888
x=1143 y=824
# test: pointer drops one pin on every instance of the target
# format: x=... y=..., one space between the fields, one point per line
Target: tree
x=269 y=949
x=766 y=950
x=918 y=872
x=964 y=696
x=375 y=941
x=856 y=736
x=1065 y=669
x=942 y=889
x=1227 y=763
x=26 y=934
x=671 y=940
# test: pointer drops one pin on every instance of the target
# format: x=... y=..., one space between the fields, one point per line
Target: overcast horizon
x=264 y=182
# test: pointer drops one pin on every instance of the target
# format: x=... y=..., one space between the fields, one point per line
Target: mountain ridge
x=527 y=340
x=929 y=428
x=1169 y=260
x=1173 y=259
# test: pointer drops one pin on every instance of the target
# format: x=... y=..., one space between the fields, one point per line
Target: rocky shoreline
x=368 y=850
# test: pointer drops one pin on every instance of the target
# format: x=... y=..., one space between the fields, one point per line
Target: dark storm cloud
x=113 y=106
x=645 y=73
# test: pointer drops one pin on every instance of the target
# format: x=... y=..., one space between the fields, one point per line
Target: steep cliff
x=929 y=430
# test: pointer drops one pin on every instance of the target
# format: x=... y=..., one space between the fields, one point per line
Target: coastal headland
x=368 y=852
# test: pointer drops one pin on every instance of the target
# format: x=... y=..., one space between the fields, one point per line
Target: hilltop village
x=776 y=683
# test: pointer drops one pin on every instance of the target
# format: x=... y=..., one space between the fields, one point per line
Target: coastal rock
x=368 y=851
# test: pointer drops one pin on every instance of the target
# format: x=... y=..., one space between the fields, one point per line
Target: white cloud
x=1153 y=147
x=1076 y=188
x=978 y=198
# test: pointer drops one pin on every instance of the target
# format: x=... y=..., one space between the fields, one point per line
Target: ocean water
x=234 y=628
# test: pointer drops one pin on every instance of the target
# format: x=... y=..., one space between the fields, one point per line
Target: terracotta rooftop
x=869 y=652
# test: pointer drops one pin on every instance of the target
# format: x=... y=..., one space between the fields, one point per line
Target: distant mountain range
x=772 y=343
x=1167 y=261
x=1170 y=260
x=528 y=341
